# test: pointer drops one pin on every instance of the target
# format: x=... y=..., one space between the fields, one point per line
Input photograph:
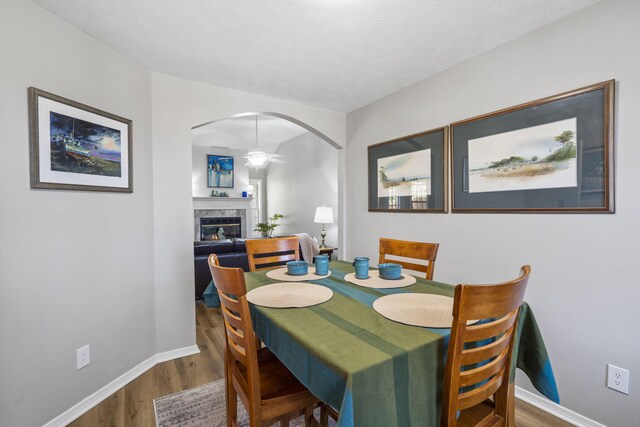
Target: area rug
x=203 y=406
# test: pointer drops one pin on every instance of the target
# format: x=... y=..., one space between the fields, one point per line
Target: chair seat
x=481 y=415
x=277 y=383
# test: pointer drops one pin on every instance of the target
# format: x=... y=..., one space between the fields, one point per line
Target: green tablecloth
x=376 y=372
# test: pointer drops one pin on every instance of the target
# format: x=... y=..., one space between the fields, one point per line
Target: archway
x=309 y=178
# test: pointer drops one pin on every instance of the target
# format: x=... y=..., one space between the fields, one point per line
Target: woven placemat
x=377 y=282
x=281 y=274
x=289 y=295
x=426 y=310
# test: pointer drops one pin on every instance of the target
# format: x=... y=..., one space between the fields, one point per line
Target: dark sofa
x=231 y=253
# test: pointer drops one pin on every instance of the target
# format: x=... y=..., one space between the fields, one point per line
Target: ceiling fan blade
x=271 y=159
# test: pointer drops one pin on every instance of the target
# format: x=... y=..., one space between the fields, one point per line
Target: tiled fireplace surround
x=206 y=213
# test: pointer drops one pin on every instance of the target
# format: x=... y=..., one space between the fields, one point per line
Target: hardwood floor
x=132 y=405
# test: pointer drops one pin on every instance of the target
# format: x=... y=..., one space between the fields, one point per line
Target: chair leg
x=232 y=405
x=324 y=415
x=308 y=415
x=511 y=405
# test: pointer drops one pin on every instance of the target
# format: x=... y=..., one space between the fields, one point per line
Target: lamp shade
x=324 y=215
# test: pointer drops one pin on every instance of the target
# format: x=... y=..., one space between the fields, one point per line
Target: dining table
x=375 y=371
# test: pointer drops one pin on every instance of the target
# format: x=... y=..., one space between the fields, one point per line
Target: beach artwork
x=537 y=157
x=220 y=171
x=82 y=147
x=406 y=174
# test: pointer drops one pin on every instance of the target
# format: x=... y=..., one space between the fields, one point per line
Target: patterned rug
x=203 y=406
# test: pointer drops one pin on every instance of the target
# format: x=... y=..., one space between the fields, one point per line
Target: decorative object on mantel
x=257 y=158
x=211 y=198
x=324 y=215
x=550 y=155
x=220 y=171
x=409 y=174
x=77 y=147
x=266 y=228
x=216 y=193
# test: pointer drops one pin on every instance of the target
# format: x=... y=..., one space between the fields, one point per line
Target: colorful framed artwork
x=550 y=155
x=219 y=171
x=77 y=147
x=408 y=174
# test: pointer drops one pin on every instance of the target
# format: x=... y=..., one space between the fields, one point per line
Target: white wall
x=583 y=288
x=309 y=179
x=177 y=106
x=76 y=267
x=261 y=174
x=199 y=172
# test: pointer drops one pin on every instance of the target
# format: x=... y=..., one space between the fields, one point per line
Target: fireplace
x=213 y=219
x=216 y=228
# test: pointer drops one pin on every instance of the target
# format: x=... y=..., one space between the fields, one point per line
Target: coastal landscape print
x=219 y=171
x=537 y=157
x=82 y=147
x=406 y=174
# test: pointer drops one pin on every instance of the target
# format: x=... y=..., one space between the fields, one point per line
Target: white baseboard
x=89 y=402
x=177 y=353
x=554 y=409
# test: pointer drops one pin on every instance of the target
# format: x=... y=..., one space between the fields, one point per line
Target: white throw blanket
x=309 y=247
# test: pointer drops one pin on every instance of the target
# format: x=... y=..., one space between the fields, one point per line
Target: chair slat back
x=479 y=355
x=238 y=328
x=406 y=249
x=269 y=253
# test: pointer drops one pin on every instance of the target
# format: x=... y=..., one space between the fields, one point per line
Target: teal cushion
x=210 y=295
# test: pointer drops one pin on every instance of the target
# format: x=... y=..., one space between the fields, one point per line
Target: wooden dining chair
x=479 y=355
x=406 y=249
x=267 y=389
x=269 y=253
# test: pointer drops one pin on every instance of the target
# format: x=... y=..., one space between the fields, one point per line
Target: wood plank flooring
x=132 y=405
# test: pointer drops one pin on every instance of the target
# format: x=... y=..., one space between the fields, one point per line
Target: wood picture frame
x=409 y=174
x=554 y=155
x=77 y=147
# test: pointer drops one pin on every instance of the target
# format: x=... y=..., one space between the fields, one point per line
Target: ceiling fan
x=257 y=158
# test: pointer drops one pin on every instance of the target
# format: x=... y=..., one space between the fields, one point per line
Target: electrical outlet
x=83 y=357
x=618 y=379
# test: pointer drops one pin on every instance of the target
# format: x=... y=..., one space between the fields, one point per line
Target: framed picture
x=77 y=147
x=219 y=171
x=550 y=155
x=408 y=174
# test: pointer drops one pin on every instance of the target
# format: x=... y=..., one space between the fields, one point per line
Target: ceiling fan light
x=257 y=158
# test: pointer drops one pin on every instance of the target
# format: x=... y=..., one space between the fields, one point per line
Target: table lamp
x=324 y=215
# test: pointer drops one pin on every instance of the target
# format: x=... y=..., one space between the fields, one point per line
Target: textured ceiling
x=334 y=54
x=240 y=133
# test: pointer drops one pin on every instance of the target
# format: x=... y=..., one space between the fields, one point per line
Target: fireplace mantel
x=221 y=202
x=222 y=199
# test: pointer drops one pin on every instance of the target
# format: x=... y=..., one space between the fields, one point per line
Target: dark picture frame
x=220 y=171
x=552 y=155
x=77 y=147
x=412 y=171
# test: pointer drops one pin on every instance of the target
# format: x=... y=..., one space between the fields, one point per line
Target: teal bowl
x=297 y=268
x=390 y=271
